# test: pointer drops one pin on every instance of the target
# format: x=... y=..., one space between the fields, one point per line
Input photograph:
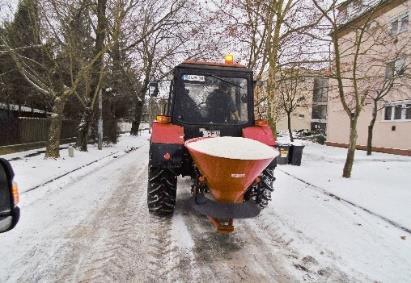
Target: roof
x=372 y=5
x=213 y=63
x=14 y=107
x=344 y=3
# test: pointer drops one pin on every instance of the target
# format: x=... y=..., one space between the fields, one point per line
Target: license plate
x=210 y=133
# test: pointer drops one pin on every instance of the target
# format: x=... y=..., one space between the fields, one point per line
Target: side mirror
x=9 y=197
x=153 y=89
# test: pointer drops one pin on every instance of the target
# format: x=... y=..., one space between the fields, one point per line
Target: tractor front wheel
x=161 y=191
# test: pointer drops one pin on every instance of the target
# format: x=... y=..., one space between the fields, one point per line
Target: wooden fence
x=21 y=130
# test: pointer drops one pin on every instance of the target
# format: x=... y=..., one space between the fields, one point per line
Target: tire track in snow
x=162 y=252
x=309 y=268
x=115 y=243
x=127 y=243
x=119 y=241
x=79 y=168
x=170 y=255
x=50 y=251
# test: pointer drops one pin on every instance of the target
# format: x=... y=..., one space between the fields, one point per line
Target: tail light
x=162 y=119
x=15 y=193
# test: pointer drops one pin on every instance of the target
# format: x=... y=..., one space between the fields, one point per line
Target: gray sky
x=7 y=9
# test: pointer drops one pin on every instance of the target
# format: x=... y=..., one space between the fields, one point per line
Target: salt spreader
x=227 y=167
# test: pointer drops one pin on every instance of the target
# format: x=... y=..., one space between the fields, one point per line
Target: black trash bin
x=295 y=154
x=284 y=150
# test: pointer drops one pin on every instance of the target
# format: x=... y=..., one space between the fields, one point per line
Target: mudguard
x=167 y=134
x=262 y=134
x=167 y=145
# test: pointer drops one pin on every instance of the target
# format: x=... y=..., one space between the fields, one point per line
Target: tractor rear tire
x=161 y=191
x=260 y=193
x=265 y=188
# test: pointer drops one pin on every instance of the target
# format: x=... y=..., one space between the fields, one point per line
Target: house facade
x=319 y=105
x=311 y=114
x=301 y=116
x=392 y=130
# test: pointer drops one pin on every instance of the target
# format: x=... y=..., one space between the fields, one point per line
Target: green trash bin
x=284 y=150
x=295 y=154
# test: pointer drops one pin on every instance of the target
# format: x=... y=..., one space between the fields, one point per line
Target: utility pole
x=100 y=120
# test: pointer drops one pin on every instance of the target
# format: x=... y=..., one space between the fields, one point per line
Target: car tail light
x=15 y=193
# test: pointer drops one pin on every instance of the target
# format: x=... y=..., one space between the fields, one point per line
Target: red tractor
x=209 y=100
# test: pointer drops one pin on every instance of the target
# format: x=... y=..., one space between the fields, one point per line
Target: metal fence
x=21 y=130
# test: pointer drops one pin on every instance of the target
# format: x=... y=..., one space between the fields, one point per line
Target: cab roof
x=199 y=64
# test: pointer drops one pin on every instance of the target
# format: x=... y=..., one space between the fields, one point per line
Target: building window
x=398 y=111
x=395 y=68
x=399 y=24
x=404 y=23
x=319 y=112
x=320 y=93
x=394 y=27
x=408 y=112
x=387 y=112
x=343 y=14
x=319 y=128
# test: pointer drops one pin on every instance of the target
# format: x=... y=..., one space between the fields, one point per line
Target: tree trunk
x=134 y=128
x=273 y=125
x=84 y=129
x=351 y=148
x=289 y=126
x=371 y=128
x=140 y=98
x=88 y=114
x=53 y=142
x=139 y=104
x=137 y=118
x=271 y=117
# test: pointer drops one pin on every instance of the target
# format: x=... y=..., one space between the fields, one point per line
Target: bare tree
x=273 y=34
x=353 y=62
x=60 y=74
x=96 y=76
x=292 y=90
x=169 y=34
x=389 y=75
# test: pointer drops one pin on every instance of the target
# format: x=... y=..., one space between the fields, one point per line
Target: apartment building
x=311 y=113
x=392 y=130
x=301 y=116
x=319 y=105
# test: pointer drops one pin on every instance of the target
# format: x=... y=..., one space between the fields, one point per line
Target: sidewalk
x=32 y=171
x=379 y=183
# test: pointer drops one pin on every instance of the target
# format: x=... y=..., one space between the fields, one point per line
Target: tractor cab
x=211 y=99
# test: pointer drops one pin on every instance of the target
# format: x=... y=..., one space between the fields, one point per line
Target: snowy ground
x=32 y=171
x=359 y=240
x=93 y=225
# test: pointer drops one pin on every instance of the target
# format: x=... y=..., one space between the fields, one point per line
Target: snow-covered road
x=95 y=227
